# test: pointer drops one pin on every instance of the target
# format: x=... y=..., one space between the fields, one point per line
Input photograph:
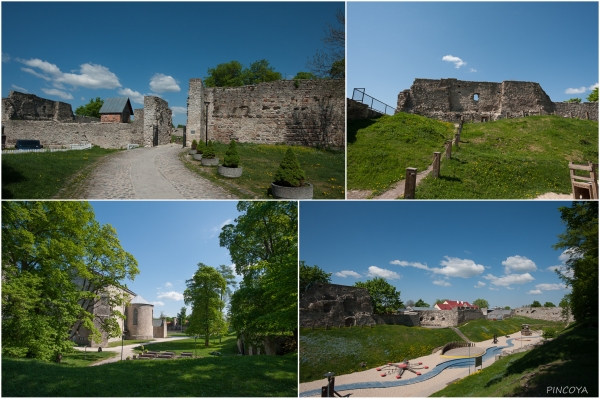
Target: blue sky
x=74 y=51
x=168 y=239
x=389 y=44
x=500 y=251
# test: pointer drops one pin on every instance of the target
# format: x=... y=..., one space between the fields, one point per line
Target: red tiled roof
x=447 y=305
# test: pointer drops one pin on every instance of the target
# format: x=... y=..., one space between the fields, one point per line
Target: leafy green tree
x=230 y=284
x=580 y=242
x=232 y=158
x=507 y=308
x=58 y=262
x=228 y=74
x=593 y=95
x=384 y=296
x=421 y=304
x=440 y=301
x=180 y=126
x=182 y=317
x=573 y=100
x=331 y=62
x=310 y=275
x=263 y=244
x=481 y=303
x=204 y=292
x=305 y=76
x=536 y=304
x=549 y=305
x=260 y=71
x=565 y=305
x=91 y=109
x=290 y=173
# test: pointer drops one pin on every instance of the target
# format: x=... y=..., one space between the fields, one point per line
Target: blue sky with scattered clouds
x=389 y=44
x=500 y=251
x=168 y=239
x=75 y=51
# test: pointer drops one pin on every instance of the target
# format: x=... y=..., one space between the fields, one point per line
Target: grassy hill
x=342 y=350
x=483 y=329
x=571 y=360
x=509 y=158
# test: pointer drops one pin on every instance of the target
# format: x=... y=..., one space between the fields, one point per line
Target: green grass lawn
x=227 y=346
x=483 y=329
x=325 y=170
x=342 y=350
x=511 y=158
x=42 y=175
x=380 y=150
x=128 y=342
x=85 y=358
x=227 y=376
x=571 y=360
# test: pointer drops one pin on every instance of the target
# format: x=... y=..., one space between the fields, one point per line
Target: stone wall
x=577 y=110
x=357 y=111
x=160 y=331
x=541 y=313
x=23 y=106
x=452 y=100
x=410 y=320
x=60 y=132
x=307 y=112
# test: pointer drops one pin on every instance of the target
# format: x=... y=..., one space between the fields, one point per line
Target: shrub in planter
x=290 y=174
x=201 y=147
x=209 y=151
x=232 y=158
x=192 y=150
x=194 y=144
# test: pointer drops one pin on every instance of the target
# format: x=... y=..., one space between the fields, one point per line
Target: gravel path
x=148 y=173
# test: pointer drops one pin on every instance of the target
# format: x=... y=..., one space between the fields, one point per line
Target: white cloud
x=442 y=283
x=168 y=285
x=455 y=267
x=480 y=284
x=5 y=57
x=91 y=76
x=472 y=70
x=518 y=264
x=170 y=296
x=161 y=83
x=509 y=288
x=43 y=65
x=179 y=110
x=509 y=279
x=34 y=73
x=494 y=289
x=457 y=61
x=375 y=271
x=534 y=292
x=578 y=90
x=550 y=287
x=58 y=93
x=348 y=273
x=21 y=89
x=135 y=96
x=158 y=303
x=404 y=263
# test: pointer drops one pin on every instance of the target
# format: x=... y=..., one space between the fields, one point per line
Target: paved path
x=127 y=349
x=148 y=173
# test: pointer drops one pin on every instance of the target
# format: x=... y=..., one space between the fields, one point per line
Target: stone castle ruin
x=541 y=313
x=332 y=305
x=453 y=100
x=27 y=116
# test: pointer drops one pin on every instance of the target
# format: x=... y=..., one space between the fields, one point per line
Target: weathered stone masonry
x=541 y=313
x=26 y=116
x=307 y=112
x=452 y=100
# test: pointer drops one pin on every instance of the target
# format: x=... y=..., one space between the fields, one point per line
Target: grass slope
x=342 y=350
x=227 y=376
x=568 y=361
x=227 y=346
x=380 y=150
x=483 y=329
x=325 y=170
x=42 y=175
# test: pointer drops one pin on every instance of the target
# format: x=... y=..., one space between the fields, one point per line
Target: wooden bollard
x=436 y=164
x=456 y=139
x=448 y=149
x=410 y=183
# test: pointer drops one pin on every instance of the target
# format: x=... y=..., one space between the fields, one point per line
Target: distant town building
x=449 y=305
x=116 y=110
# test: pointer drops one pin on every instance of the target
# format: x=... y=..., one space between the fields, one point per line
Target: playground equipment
x=525 y=330
x=328 y=391
x=400 y=368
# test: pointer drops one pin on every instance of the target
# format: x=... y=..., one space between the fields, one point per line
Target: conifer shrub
x=290 y=174
x=201 y=147
x=232 y=158
x=209 y=151
x=194 y=144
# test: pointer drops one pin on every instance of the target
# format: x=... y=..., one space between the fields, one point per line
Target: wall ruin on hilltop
x=306 y=112
x=452 y=100
x=541 y=313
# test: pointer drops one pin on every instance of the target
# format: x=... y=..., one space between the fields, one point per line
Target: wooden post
x=410 y=183
x=448 y=149
x=456 y=139
x=436 y=165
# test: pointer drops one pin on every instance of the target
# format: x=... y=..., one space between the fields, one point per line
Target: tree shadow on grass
x=10 y=176
x=353 y=127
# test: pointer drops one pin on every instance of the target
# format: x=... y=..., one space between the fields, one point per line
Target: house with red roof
x=449 y=305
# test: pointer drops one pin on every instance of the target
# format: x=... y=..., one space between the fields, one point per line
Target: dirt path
x=393 y=193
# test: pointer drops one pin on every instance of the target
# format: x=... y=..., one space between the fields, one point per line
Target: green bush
x=201 y=147
x=194 y=144
x=232 y=158
x=209 y=151
x=549 y=333
x=290 y=173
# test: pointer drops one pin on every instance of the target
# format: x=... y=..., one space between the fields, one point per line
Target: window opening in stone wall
x=135 y=317
x=326 y=307
x=476 y=97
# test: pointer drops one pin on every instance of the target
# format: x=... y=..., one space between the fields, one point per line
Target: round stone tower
x=138 y=320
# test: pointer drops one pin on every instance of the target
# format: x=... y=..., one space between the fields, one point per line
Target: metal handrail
x=381 y=106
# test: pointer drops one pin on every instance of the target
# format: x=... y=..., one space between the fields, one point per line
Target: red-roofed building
x=449 y=305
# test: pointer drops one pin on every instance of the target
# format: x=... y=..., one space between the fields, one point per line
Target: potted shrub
x=290 y=180
x=231 y=162
x=199 y=151
x=192 y=150
x=209 y=156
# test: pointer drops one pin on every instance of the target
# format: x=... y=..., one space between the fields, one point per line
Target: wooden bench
x=584 y=186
